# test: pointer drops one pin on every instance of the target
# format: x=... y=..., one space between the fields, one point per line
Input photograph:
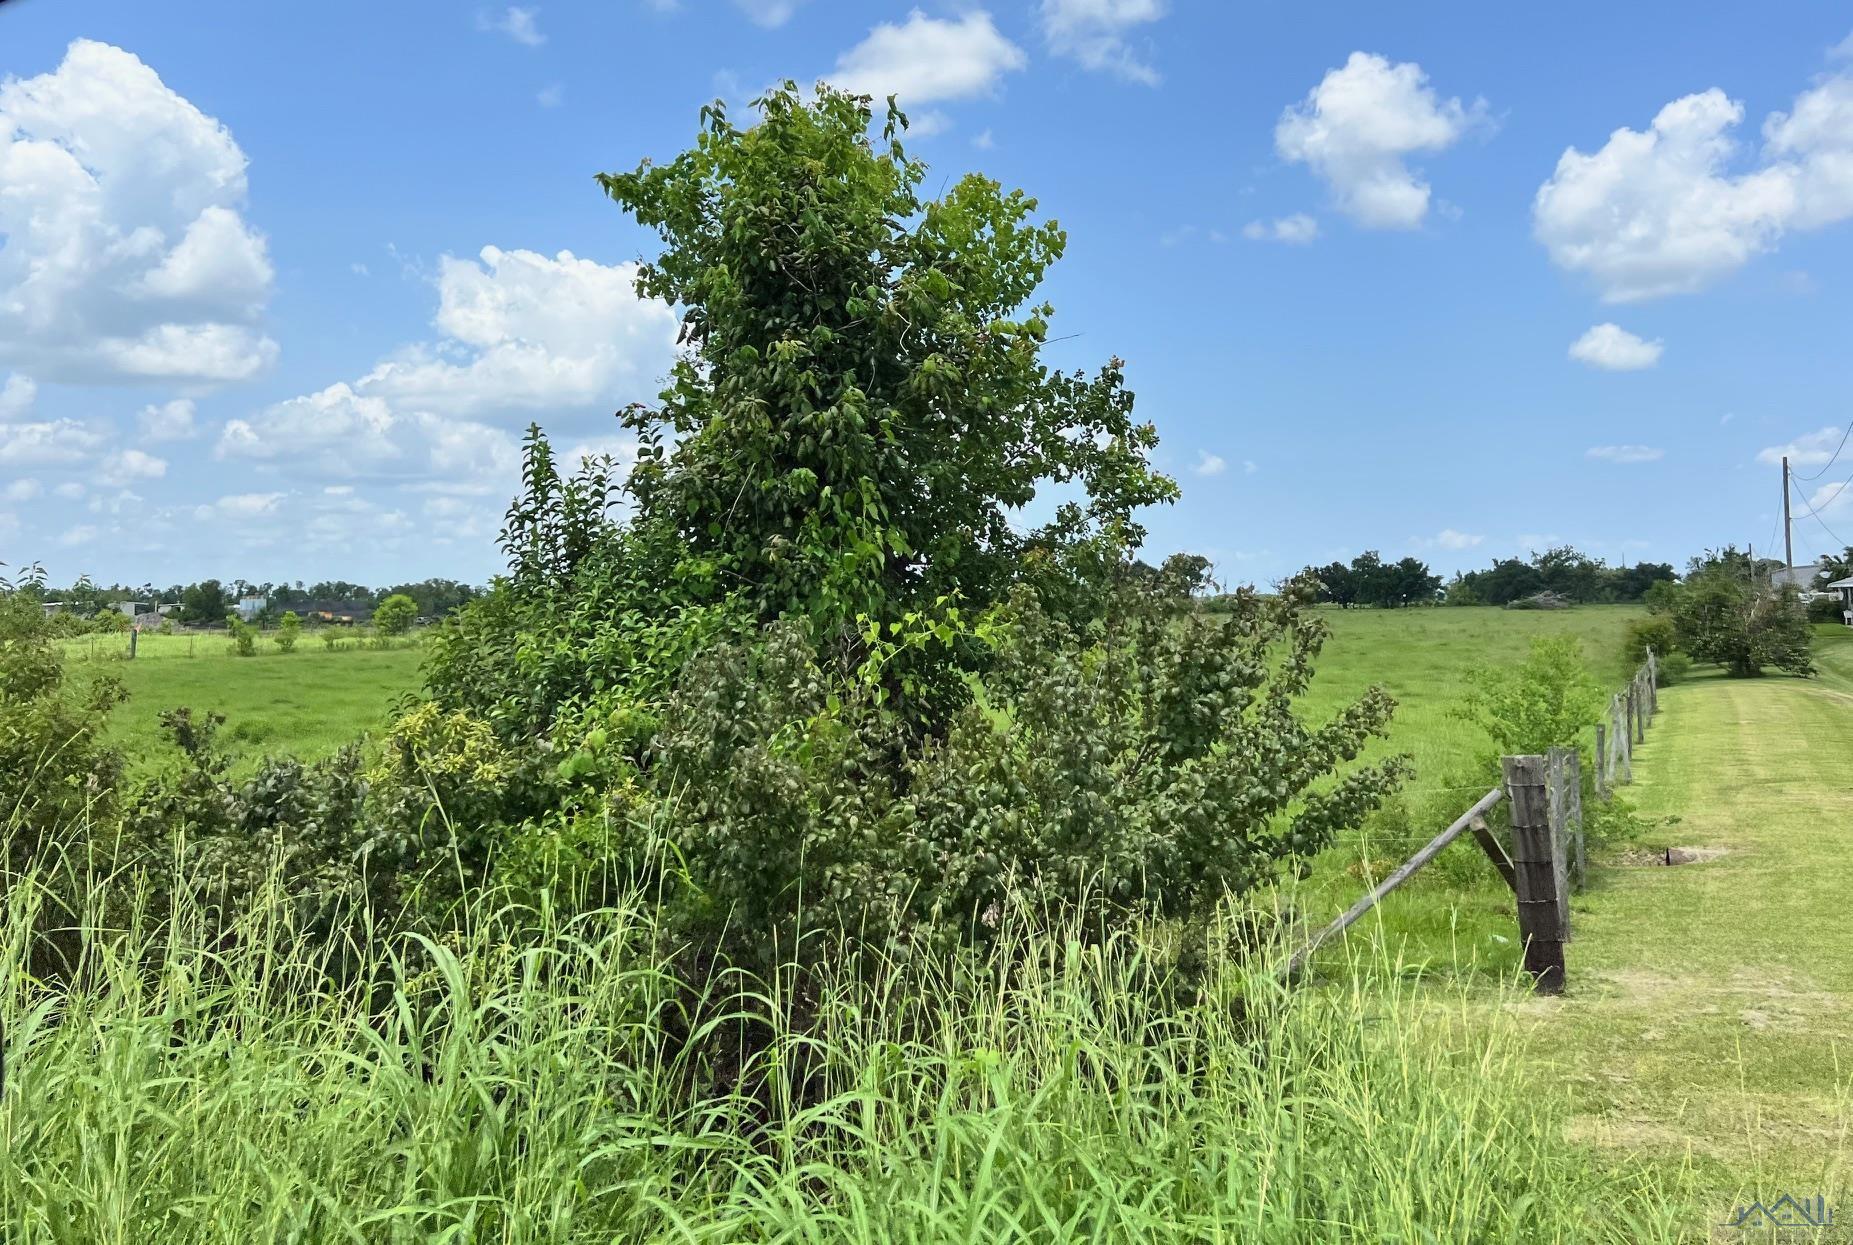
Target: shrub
x=1657 y=632
x=330 y=637
x=395 y=614
x=1150 y=771
x=244 y=636
x=1660 y=596
x=289 y=628
x=56 y=773
x=226 y=841
x=1546 y=701
x=1830 y=608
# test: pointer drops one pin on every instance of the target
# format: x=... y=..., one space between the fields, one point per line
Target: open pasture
x=1456 y=917
x=305 y=704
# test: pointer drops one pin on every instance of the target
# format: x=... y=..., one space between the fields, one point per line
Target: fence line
x=1545 y=858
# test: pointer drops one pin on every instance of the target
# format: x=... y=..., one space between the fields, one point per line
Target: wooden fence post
x=1537 y=863
x=1573 y=814
x=1624 y=739
x=1602 y=761
x=1653 y=682
x=1557 y=789
x=1640 y=710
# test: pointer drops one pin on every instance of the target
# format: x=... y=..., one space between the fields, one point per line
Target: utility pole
x=1788 y=526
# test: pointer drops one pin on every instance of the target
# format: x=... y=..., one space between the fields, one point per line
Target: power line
x=1830 y=462
x=1823 y=522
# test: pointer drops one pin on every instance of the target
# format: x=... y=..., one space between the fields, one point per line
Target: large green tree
x=1727 y=613
x=863 y=411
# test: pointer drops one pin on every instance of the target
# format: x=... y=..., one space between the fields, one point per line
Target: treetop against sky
x=280 y=286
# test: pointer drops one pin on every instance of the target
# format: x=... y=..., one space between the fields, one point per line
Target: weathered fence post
x=1624 y=736
x=134 y=634
x=1640 y=710
x=1574 y=806
x=1537 y=864
x=1653 y=682
x=1602 y=761
x=1557 y=790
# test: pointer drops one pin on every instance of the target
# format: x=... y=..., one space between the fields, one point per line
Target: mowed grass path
x=305 y=704
x=1710 y=1012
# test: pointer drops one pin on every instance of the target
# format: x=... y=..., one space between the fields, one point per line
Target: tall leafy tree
x=863 y=411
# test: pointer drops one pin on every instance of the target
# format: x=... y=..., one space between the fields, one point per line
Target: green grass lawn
x=1708 y=1026
x=1709 y=1019
x=306 y=704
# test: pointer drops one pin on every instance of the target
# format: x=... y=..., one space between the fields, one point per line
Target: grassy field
x=306 y=703
x=1415 y=1092
x=528 y=1087
x=1455 y=918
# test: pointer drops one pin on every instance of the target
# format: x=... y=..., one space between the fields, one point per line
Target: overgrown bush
x=244 y=636
x=289 y=628
x=57 y=775
x=1151 y=771
x=1655 y=632
x=1827 y=608
x=301 y=826
x=1548 y=700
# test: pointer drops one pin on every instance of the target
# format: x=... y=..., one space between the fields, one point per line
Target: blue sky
x=281 y=285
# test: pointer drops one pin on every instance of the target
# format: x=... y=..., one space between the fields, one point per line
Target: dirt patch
x=1650 y=857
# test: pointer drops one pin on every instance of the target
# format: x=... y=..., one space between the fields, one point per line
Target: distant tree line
x=207 y=602
x=1562 y=571
x=1369 y=580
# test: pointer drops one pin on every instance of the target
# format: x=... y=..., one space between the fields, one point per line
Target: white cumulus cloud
x=927 y=60
x=48 y=442
x=1811 y=449
x=1095 y=33
x=1209 y=464
x=526 y=331
x=167 y=421
x=1614 y=349
x=518 y=23
x=16 y=397
x=126 y=465
x=123 y=253
x=1624 y=453
x=1672 y=208
x=1298 y=229
x=1358 y=128
x=1449 y=538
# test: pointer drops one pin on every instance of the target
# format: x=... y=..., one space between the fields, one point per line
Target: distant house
x=335 y=613
x=248 y=608
x=1845 y=588
x=1800 y=578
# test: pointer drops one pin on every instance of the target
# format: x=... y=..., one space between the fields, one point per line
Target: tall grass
x=565 y=1086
